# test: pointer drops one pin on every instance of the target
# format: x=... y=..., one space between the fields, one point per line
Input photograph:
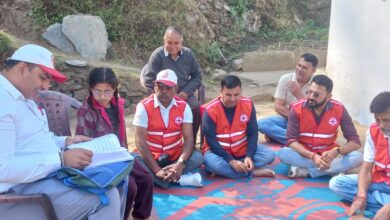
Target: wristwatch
x=181 y=160
x=338 y=150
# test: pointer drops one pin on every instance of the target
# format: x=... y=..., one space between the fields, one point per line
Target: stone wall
x=77 y=86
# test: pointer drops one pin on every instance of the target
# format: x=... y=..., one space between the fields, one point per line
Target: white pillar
x=359 y=53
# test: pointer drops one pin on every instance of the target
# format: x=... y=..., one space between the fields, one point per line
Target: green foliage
x=237 y=10
x=310 y=30
x=132 y=24
x=213 y=52
x=5 y=42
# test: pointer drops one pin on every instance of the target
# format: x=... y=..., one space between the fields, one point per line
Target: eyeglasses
x=106 y=93
x=162 y=86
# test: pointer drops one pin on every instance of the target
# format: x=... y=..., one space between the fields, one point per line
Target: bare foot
x=263 y=172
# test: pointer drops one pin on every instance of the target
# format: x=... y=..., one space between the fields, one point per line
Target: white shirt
x=369 y=148
x=282 y=91
x=28 y=150
x=141 y=117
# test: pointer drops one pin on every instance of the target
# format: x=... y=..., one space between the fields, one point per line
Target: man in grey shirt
x=172 y=55
x=291 y=87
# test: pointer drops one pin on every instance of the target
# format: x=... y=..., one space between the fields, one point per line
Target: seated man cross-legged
x=163 y=135
x=312 y=131
x=370 y=188
x=230 y=130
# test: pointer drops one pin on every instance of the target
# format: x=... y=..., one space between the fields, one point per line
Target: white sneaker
x=296 y=172
x=191 y=179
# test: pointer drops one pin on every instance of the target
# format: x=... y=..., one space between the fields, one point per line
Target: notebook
x=106 y=149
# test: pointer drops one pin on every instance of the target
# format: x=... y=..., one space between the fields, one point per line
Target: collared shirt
x=141 y=117
x=369 y=148
x=282 y=91
x=166 y=53
x=28 y=150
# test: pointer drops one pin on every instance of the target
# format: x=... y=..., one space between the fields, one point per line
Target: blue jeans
x=378 y=194
x=193 y=163
x=274 y=127
x=216 y=164
x=338 y=165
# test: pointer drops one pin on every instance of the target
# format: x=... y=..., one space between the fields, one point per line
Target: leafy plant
x=5 y=42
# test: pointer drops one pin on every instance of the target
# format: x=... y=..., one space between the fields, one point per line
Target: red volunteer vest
x=161 y=139
x=318 y=137
x=381 y=170
x=232 y=138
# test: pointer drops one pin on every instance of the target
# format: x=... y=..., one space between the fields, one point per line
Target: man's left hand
x=249 y=164
x=76 y=139
x=175 y=170
x=183 y=95
x=329 y=155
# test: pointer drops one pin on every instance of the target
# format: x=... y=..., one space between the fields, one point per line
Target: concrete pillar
x=358 y=58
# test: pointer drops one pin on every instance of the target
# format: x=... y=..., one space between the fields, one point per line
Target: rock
x=88 y=34
x=77 y=63
x=218 y=74
x=237 y=64
x=265 y=61
x=55 y=37
x=207 y=70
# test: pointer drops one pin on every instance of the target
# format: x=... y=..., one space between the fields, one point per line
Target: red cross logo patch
x=243 y=118
x=178 y=120
x=333 y=121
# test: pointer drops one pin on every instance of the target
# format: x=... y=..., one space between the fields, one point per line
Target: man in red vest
x=163 y=134
x=230 y=129
x=312 y=128
x=370 y=188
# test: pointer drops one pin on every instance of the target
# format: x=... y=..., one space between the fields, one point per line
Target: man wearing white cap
x=29 y=152
x=163 y=135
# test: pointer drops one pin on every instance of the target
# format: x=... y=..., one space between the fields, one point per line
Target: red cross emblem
x=178 y=120
x=333 y=121
x=243 y=118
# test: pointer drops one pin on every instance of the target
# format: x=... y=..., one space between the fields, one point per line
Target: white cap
x=168 y=77
x=40 y=56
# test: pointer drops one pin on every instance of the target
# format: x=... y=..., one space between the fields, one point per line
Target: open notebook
x=106 y=149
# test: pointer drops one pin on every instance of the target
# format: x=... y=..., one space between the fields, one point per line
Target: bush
x=5 y=43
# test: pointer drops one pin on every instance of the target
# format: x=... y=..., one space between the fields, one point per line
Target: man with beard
x=312 y=128
x=370 y=188
x=163 y=135
x=291 y=87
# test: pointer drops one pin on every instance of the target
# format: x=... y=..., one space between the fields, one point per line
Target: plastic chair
x=57 y=106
